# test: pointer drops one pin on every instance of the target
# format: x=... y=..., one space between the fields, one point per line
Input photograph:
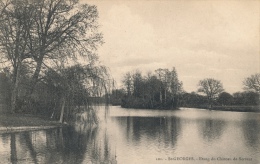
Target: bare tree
x=252 y=83
x=15 y=23
x=212 y=88
x=46 y=31
x=63 y=29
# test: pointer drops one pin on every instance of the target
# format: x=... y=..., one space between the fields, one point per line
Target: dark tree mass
x=160 y=89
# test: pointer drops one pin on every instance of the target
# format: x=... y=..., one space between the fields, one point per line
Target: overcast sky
x=201 y=39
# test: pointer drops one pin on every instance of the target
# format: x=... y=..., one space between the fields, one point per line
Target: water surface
x=142 y=136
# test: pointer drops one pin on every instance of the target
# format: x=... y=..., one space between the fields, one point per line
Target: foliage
x=193 y=100
x=158 y=90
x=246 y=98
x=5 y=87
x=225 y=98
x=72 y=86
x=116 y=96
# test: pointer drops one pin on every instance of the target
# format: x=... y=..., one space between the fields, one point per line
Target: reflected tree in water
x=13 y=149
x=75 y=145
x=211 y=129
x=163 y=129
x=174 y=127
x=61 y=146
x=27 y=137
x=251 y=130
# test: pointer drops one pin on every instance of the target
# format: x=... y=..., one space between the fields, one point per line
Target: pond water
x=133 y=136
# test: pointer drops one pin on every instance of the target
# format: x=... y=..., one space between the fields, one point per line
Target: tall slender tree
x=128 y=83
x=16 y=22
x=160 y=73
x=174 y=85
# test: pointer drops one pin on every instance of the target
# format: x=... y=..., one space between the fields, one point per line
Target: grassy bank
x=19 y=120
x=238 y=108
x=229 y=108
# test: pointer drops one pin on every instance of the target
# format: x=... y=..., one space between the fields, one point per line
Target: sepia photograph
x=129 y=81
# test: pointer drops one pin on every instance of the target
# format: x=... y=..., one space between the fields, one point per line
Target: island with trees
x=160 y=89
x=163 y=90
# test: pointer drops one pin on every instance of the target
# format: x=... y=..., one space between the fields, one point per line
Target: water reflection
x=251 y=131
x=211 y=129
x=13 y=149
x=27 y=138
x=162 y=130
x=59 y=146
x=134 y=138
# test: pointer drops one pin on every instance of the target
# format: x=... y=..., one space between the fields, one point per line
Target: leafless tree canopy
x=252 y=83
x=211 y=87
x=35 y=33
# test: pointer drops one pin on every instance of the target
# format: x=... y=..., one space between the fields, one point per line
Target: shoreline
x=26 y=128
x=252 y=109
x=237 y=109
x=10 y=123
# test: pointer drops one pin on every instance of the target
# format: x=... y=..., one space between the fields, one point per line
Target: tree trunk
x=62 y=109
x=165 y=96
x=172 y=101
x=15 y=88
x=151 y=102
x=210 y=102
x=160 y=96
x=36 y=74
